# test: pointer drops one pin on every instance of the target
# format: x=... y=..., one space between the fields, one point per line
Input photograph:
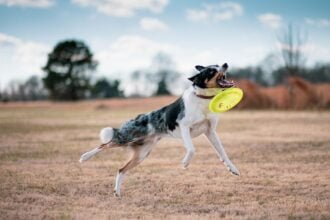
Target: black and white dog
x=186 y=118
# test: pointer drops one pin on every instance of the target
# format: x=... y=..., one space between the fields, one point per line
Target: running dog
x=186 y=118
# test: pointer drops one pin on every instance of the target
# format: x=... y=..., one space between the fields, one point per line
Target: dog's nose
x=225 y=66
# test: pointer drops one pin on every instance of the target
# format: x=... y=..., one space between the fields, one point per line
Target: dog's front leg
x=188 y=144
x=217 y=145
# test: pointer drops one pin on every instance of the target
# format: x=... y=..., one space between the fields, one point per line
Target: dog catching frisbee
x=225 y=100
x=193 y=114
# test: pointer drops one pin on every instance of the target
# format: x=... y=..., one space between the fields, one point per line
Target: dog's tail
x=106 y=136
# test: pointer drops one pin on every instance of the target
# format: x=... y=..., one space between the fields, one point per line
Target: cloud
x=28 y=3
x=128 y=53
x=27 y=53
x=270 y=20
x=317 y=53
x=197 y=15
x=215 y=12
x=8 y=40
x=322 y=22
x=20 y=58
x=123 y=8
x=153 y=24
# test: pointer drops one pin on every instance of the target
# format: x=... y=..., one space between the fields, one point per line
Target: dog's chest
x=196 y=110
x=197 y=116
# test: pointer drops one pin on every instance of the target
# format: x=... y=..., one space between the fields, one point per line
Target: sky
x=124 y=35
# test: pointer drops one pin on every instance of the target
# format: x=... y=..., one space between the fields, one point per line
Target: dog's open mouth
x=223 y=83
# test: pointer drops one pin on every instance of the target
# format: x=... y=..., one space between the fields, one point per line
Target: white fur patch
x=207 y=91
x=106 y=135
x=89 y=154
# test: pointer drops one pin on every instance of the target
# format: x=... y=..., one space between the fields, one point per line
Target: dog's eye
x=212 y=72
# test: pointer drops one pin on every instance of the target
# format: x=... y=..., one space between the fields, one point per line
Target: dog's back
x=156 y=123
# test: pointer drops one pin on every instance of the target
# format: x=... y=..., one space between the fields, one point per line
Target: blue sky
x=125 y=34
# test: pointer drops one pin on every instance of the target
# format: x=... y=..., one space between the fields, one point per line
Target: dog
x=186 y=118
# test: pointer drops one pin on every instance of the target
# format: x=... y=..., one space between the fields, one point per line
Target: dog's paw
x=186 y=160
x=83 y=158
x=116 y=194
x=232 y=169
x=185 y=164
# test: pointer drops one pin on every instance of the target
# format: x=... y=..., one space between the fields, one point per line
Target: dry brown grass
x=284 y=159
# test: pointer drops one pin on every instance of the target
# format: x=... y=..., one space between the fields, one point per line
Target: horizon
x=125 y=35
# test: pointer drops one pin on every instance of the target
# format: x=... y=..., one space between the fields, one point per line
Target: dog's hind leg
x=89 y=154
x=106 y=136
x=139 y=154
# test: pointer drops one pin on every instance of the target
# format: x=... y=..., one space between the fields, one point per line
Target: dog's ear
x=200 y=68
x=193 y=78
x=198 y=80
x=225 y=66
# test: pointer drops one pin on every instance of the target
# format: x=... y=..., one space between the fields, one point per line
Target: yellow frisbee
x=226 y=100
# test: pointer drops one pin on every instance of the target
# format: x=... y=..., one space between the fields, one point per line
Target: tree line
x=319 y=73
x=69 y=73
x=292 y=41
x=69 y=76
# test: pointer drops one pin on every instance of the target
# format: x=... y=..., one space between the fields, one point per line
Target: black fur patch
x=165 y=119
x=132 y=131
x=172 y=113
x=160 y=121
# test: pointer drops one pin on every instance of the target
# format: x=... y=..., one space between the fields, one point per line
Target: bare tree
x=160 y=78
x=163 y=74
x=138 y=83
x=30 y=90
x=34 y=89
x=292 y=42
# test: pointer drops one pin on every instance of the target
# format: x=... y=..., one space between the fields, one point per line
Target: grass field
x=283 y=157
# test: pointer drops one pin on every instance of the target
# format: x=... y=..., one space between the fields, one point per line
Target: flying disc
x=226 y=100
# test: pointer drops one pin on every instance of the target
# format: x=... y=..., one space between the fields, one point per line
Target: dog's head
x=213 y=76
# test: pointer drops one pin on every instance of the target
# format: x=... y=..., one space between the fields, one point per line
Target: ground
x=283 y=157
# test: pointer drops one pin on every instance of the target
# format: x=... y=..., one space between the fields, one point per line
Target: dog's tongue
x=225 y=83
